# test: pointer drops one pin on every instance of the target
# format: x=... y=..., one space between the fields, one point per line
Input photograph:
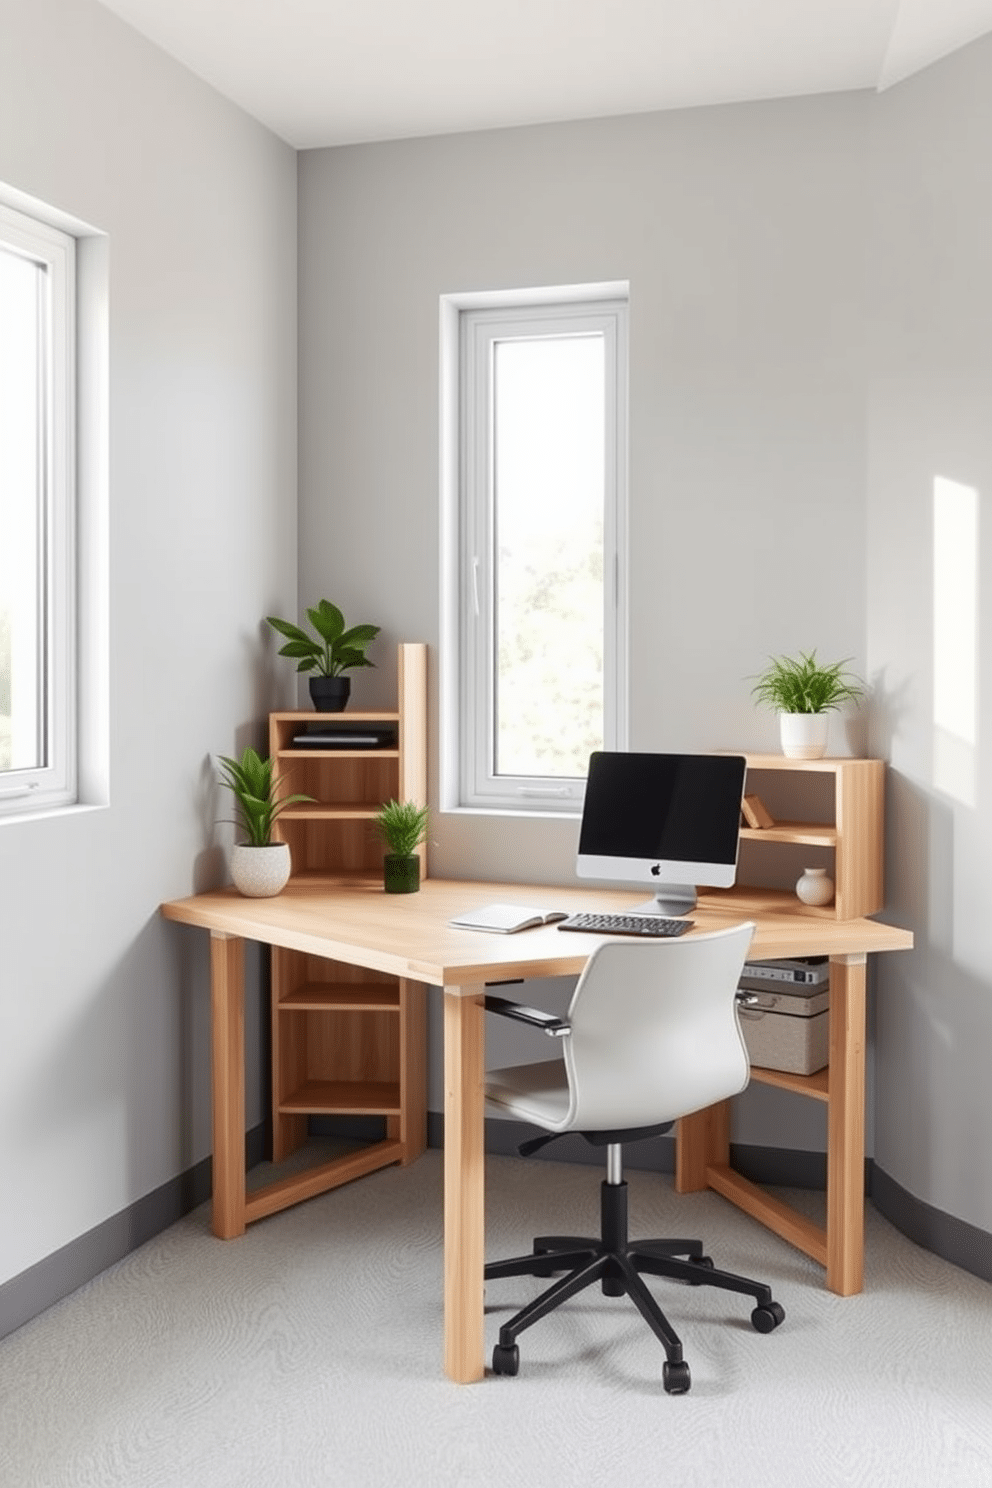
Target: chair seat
x=532 y=1092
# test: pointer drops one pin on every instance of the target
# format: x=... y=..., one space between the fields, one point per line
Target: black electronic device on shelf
x=345 y=736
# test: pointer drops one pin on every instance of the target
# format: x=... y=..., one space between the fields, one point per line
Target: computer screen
x=668 y=820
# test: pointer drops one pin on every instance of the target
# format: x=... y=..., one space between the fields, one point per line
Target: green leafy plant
x=402 y=825
x=333 y=650
x=255 y=789
x=803 y=685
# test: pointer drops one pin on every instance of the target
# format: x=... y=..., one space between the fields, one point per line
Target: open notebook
x=506 y=918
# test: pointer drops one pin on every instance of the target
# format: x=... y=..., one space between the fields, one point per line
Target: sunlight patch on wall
x=955 y=639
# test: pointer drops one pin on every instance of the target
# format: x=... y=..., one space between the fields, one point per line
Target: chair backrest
x=654 y=1030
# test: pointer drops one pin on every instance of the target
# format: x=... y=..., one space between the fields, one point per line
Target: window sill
x=46 y=813
x=529 y=813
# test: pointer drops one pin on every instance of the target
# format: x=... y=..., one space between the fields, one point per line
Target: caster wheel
x=704 y=1262
x=542 y=1270
x=766 y=1319
x=676 y=1378
x=506 y=1358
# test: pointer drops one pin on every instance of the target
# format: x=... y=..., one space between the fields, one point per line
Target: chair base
x=617 y=1264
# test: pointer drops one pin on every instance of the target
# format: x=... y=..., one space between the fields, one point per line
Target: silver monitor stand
x=671 y=901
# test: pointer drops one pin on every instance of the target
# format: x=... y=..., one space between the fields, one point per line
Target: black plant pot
x=400 y=873
x=330 y=694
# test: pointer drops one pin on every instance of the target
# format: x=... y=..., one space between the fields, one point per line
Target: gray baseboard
x=954 y=1240
x=62 y=1272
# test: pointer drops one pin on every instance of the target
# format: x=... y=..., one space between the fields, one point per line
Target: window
x=540 y=581
x=37 y=478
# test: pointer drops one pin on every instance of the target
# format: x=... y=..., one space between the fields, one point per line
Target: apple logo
x=655 y=869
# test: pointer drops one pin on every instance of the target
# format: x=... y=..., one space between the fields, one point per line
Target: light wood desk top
x=408 y=936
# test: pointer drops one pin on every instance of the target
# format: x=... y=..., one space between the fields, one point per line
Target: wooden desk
x=408 y=936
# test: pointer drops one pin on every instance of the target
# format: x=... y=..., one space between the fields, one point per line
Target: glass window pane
x=22 y=513
x=548 y=506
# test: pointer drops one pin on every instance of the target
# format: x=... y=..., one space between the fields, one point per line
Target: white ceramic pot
x=814 y=887
x=260 y=872
x=804 y=735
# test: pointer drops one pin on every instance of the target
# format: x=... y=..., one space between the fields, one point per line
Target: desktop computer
x=668 y=821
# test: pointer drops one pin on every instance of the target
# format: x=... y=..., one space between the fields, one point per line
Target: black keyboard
x=626 y=924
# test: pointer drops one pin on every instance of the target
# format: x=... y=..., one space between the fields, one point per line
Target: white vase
x=815 y=888
x=260 y=872
x=804 y=735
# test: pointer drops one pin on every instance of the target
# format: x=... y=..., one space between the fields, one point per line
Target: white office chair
x=651 y=1035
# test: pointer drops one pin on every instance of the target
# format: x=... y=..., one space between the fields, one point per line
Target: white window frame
x=54 y=782
x=471 y=325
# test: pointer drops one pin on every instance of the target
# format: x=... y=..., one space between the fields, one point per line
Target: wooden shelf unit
x=332 y=837
x=851 y=839
x=348 y=1041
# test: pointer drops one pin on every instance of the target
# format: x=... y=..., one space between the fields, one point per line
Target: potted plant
x=803 y=691
x=402 y=825
x=259 y=866
x=333 y=650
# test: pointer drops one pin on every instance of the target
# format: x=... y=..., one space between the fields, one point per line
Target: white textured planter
x=260 y=872
x=804 y=735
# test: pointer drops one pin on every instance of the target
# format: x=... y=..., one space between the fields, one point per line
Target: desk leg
x=464 y=1183
x=227 y=1007
x=702 y=1140
x=846 y=1127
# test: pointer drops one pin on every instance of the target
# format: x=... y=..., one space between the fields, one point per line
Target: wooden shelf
x=753 y=900
x=342 y=997
x=815 y=1086
x=291 y=717
x=343 y=1098
x=330 y=811
x=811 y=834
x=828 y=765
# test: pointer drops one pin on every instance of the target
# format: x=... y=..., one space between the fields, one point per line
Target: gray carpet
x=309 y=1353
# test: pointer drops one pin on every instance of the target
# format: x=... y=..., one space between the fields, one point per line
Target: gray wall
x=931 y=417
x=741 y=231
x=103 y=1009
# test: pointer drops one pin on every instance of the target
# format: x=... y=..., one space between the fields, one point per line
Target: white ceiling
x=331 y=72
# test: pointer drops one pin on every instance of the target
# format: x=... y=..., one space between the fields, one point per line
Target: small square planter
x=401 y=873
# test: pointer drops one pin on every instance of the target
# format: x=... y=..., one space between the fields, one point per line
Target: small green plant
x=255 y=790
x=333 y=650
x=402 y=825
x=804 y=685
